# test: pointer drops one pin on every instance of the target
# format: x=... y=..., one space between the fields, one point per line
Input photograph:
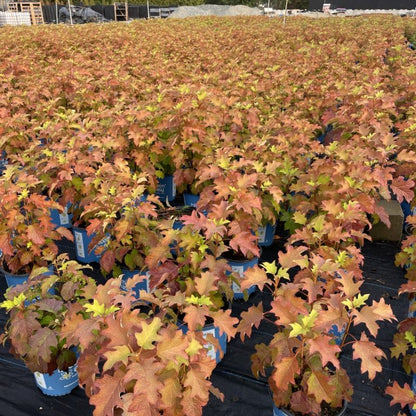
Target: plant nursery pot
x=240 y=266
x=190 y=200
x=143 y=285
x=82 y=241
x=266 y=234
x=213 y=353
x=337 y=333
x=166 y=188
x=18 y=279
x=284 y=412
x=61 y=219
x=14 y=279
x=59 y=383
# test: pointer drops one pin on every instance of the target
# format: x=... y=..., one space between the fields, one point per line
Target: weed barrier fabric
x=244 y=394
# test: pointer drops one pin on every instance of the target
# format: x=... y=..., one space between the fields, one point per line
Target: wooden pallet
x=34 y=8
x=121 y=12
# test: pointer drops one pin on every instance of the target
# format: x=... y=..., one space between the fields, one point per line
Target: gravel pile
x=218 y=10
x=215 y=10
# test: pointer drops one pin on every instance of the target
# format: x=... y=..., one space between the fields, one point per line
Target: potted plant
x=37 y=311
x=302 y=359
x=28 y=236
x=404 y=340
x=134 y=359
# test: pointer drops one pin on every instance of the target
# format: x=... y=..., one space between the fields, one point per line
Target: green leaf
x=270 y=268
x=120 y=353
x=149 y=334
x=16 y=301
x=193 y=348
x=199 y=300
x=99 y=309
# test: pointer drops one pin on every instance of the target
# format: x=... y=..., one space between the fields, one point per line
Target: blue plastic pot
x=337 y=333
x=411 y=314
x=61 y=219
x=166 y=188
x=59 y=383
x=18 y=279
x=213 y=353
x=280 y=412
x=284 y=412
x=266 y=234
x=82 y=242
x=15 y=279
x=190 y=200
x=239 y=267
x=143 y=285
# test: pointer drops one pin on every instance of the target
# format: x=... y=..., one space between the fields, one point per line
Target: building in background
x=364 y=4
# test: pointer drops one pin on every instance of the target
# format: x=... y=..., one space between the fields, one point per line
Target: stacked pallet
x=15 y=18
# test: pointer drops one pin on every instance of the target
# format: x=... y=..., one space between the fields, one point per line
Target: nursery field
x=222 y=177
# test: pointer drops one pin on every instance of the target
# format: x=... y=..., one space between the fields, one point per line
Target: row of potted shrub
x=245 y=139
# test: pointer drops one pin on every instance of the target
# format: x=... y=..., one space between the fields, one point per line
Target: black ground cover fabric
x=244 y=395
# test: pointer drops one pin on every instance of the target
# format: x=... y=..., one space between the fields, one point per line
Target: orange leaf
x=369 y=355
x=246 y=242
x=65 y=232
x=368 y=315
x=252 y=317
x=107 y=395
x=327 y=351
x=403 y=395
x=35 y=234
x=255 y=276
x=147 y=381
x=293 y=257
x=206 y=283
x=225 y=322
x=319 y=385
x=285 y=372
x=403 y=189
